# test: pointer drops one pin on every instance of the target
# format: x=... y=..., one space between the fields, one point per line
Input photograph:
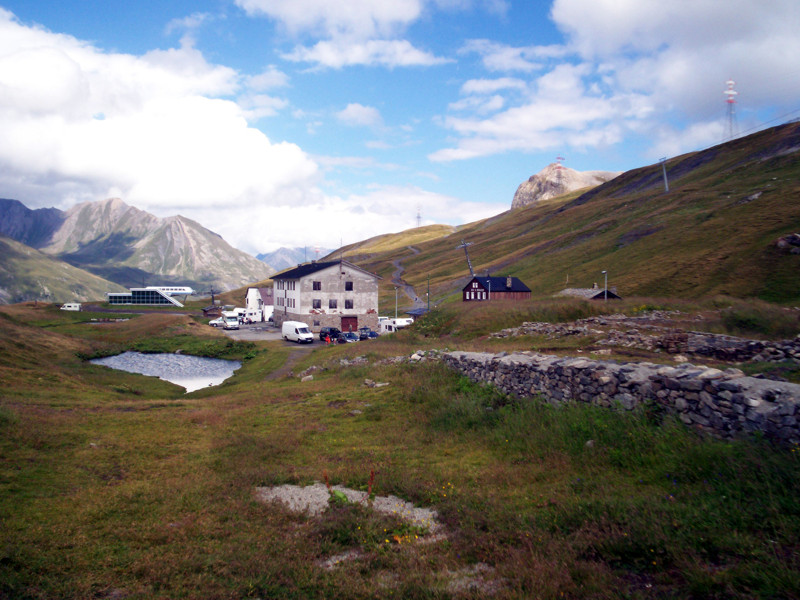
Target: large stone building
x=327 y=294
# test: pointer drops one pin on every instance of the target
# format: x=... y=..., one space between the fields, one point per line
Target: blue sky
x=307 y=122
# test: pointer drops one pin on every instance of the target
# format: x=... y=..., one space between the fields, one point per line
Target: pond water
x=190 y=372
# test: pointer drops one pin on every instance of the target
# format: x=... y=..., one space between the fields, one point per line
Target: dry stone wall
x=726 y=402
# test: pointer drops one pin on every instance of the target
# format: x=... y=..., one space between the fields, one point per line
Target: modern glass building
x=146 y=296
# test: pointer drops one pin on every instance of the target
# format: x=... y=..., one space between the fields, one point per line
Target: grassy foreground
x=114 y=485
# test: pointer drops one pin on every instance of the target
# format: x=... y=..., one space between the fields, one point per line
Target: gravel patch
x=313 y=499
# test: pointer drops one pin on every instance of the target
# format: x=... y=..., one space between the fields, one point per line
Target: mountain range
x=283 y=258
x=130 y=247
x=724 y=228
x=727 y=226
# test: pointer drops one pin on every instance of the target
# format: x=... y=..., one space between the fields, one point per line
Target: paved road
x=397 y=280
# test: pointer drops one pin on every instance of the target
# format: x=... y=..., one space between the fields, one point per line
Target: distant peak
x=554 y=180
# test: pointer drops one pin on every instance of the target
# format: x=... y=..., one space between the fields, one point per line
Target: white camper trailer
x=392 y=325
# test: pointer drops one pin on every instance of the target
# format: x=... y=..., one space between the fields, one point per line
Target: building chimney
x=594 y=285
x=508 y=281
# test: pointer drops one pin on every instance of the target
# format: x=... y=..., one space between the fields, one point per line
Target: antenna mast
x=559 y=174
x=730 y=100
x=469 y=264
x=419 y=216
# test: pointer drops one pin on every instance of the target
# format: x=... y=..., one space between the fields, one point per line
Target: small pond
x=185 y=370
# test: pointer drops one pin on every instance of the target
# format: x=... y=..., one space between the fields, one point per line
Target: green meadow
x=115 y=485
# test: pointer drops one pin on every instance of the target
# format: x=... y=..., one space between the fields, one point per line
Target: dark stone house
x=495 y=288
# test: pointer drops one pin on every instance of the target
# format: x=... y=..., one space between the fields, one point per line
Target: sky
x=316 y=123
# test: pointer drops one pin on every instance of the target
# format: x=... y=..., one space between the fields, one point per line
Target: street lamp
x=395 y=302
x=605 y=286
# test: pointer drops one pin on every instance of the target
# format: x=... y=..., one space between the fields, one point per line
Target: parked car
x=365 y=333
x=333 y=332
x=218 y=322
x=347 y=338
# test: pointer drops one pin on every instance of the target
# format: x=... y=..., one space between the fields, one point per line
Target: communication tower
x=730 y=100
x=419 y=216
x=559 y=173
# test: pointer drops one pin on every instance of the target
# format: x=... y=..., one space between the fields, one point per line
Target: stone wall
x=724 y=402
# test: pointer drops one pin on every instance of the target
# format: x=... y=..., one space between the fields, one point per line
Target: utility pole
x=605 y=287
x=469 y=264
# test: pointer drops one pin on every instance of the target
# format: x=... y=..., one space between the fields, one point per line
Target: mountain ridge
x=555 y=180
x=132 y=247
x=716 y=232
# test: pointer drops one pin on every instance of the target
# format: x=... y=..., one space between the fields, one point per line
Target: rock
x=307 y=378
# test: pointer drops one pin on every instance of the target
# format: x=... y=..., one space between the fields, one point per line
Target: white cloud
x=340 y=53
x=270 y=78
x=360 y=19
x=490 y=86
x=146 y=128
x=501 y=57
x=357 y=32
x=189 y=23
x=360 y=115
x=636 y=64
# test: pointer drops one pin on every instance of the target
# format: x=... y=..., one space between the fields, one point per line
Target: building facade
x=327 y=294
x=151 y=296
x=481 y=289
x=258 y=304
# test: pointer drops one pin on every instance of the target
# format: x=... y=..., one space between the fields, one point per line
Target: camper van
x=230 y=320
x=392 y=325
x=71 y=306
x=296 y=331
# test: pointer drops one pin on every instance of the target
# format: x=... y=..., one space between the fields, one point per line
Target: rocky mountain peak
x=554 y=180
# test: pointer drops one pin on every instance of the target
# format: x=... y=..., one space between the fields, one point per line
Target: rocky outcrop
x=645 y=333
x=555 y=180
x=789 y=243
x=726 y=403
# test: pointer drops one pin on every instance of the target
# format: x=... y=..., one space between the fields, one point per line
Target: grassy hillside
x=114 y=485
x=27 y=274
x=713 y=233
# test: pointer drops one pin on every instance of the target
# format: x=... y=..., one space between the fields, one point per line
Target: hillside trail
x=295 y=354
x=398 y=282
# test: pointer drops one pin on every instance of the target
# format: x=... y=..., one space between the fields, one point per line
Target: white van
x=71 y=306
x=296 y=331
x=230 y=320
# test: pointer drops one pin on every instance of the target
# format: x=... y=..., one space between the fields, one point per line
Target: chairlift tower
x=730 y=100
x=469 y=264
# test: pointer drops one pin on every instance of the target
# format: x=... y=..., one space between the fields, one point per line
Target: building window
x=332 y=303
x=316 y=323
x=348 y=304
x=316 y=303
x=316 y=286
x=348 y=286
